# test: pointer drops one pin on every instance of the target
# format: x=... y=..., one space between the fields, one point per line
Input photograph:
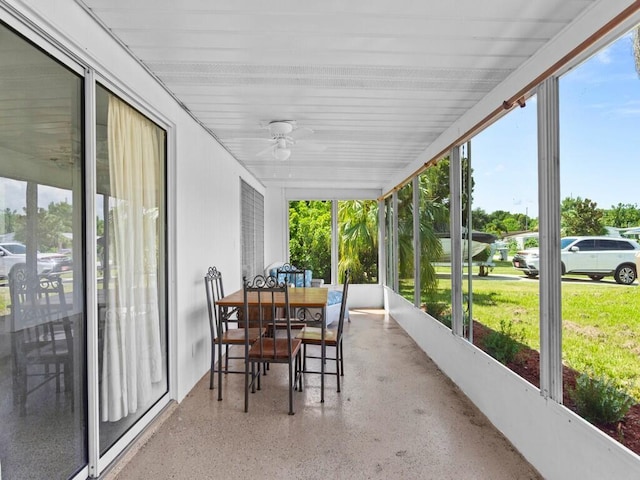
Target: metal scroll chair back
x=215 y=291
x=333 y=338
x=296 y=277
x=42 y=336
x=292 y=275
x=222 y=336
x=268 y=298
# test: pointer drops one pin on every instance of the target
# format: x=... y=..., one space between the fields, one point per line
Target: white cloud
x=604 y=56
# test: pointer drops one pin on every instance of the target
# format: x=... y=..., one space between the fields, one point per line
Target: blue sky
x=599 y=140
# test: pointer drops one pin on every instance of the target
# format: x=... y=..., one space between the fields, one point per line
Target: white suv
x=14 y=253
x=596 y=257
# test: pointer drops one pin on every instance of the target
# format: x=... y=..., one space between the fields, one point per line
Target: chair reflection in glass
x=41 y=332
x=262 y=296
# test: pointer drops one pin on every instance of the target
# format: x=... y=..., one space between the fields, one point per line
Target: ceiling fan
x=286 y=134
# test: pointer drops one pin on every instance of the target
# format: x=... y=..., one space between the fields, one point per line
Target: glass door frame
x=98 y=464
x=25 y=26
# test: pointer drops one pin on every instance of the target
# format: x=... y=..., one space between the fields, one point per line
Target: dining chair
x=297 y=278
x=222 y=335
x=261 y=297
x=41 y=334
x=312 y=335
x=292 y=275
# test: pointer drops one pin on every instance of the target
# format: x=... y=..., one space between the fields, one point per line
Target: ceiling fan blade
x=301 y=132
x=251 y=139
x=269 y=149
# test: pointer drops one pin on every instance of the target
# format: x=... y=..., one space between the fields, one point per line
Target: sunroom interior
x=158 y=139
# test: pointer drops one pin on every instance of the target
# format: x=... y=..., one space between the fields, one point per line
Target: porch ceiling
x=377 y=81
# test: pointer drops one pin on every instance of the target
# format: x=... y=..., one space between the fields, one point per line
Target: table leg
x=219 y=335
x=323 y=352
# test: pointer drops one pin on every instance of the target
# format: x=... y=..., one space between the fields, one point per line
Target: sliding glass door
x=43 y=424
x=45 y=429
x=130 y=200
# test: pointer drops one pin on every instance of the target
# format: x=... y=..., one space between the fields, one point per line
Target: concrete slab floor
x=397 y=417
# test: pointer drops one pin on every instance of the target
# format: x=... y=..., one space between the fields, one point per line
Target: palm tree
x=434 y=212
x=636 y=48
x=358 y=240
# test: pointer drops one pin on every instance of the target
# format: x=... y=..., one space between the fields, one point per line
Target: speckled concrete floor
x=397 y=417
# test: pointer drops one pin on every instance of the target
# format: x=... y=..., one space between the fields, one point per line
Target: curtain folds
x=132 y=351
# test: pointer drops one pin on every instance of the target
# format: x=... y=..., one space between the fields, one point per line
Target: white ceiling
x=378 y=81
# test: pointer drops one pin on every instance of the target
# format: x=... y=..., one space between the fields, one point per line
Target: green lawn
x=601 y=321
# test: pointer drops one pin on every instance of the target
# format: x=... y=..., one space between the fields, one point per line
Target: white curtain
x=132 y=352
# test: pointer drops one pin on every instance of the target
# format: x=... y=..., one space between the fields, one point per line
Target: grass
x=601 y=321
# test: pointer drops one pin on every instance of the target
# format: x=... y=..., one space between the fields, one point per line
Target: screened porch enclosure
x=137 y=150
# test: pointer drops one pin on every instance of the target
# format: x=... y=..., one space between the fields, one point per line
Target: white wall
x=276 y=209
x=365 y=296
x=558 y=443
x=204 y=192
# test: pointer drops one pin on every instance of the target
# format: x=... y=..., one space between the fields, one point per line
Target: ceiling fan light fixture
x=282 y=154
x=278 y=128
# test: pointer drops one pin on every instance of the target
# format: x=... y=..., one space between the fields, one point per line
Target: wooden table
x=299 y=298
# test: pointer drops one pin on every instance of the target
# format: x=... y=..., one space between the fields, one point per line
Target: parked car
x=596 y=257
x=13 y=253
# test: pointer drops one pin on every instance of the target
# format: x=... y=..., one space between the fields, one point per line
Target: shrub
x=505 y=344
x=599 y=400
x=436 y=309
x=445 y=319
x=531 y=242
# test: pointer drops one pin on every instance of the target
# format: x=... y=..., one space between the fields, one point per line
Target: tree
x=52 y=223
x=581 y=217
x=434 y=219
x=511 y=224
x=405 y=231
x=636 y=48
x=480 y=219
x=358 y=240
x=310 y=237
x=622 y=216
x=9 y=221
x=502 y=222
x=439 y=189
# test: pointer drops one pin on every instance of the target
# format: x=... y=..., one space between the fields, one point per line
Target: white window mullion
x=395 y=270
x=382 y=248
x=335 y=254
x=549 y=238
x=455 y=219
x=416 y=241
x=91 y=276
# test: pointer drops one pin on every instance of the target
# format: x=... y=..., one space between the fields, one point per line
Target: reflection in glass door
x=43 y=431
